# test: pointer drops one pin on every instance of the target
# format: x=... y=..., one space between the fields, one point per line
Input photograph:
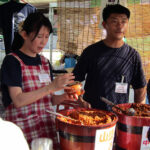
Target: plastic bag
x=42 y=144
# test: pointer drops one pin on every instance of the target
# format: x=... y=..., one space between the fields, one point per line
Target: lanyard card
x=44 y=78
x=121 y=87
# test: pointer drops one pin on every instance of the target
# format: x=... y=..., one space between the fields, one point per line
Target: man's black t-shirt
x=104 y=66
x=11 y=74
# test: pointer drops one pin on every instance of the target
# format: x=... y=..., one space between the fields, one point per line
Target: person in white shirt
x=11 y=137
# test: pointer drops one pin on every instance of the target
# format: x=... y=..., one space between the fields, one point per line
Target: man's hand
x=83 y=103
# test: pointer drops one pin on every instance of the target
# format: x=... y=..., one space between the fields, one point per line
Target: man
x=111 y=66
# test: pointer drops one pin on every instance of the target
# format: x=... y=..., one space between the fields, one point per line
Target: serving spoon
x=60 y=115
x=57 y=114
x=130 y=112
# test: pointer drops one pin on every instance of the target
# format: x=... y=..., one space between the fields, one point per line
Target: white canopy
x=41 y=4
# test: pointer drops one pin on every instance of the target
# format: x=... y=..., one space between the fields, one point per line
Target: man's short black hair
x=115 y=8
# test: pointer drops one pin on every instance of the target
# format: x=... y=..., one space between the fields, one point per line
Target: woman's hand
x=64 y=98
x=21 y=98
x=61 y=81
x=67 y=100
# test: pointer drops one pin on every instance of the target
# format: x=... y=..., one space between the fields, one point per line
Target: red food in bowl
x=76 y=88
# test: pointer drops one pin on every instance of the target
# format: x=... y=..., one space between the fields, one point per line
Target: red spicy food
x=76 y=88
x=142 y=110
x=88 y=118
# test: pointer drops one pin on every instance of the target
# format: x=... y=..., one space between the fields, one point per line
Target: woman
x=27 y=86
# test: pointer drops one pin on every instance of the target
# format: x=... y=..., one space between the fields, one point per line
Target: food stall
x=131 y=132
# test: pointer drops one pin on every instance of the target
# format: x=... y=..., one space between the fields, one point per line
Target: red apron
x=33 y=119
